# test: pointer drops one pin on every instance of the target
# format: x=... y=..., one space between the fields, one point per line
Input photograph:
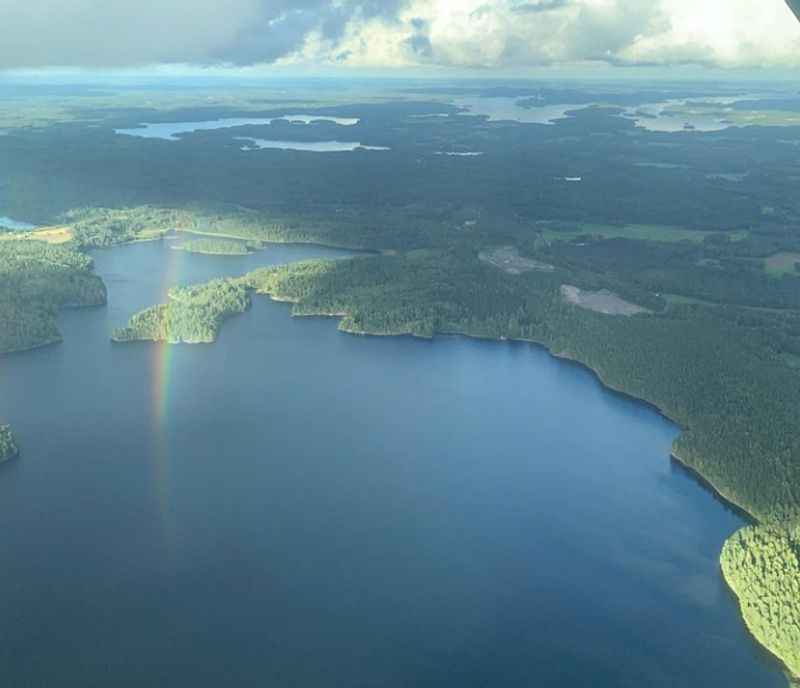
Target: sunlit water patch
x=501 y=109
x=310 y=146
x=17 y=225
x=703 y=114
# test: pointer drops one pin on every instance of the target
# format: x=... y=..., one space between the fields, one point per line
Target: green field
x=641 y=233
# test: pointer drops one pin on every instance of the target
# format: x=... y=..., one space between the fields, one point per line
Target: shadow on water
x=677 y=467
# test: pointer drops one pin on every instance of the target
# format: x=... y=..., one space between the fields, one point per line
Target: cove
x=296 y=506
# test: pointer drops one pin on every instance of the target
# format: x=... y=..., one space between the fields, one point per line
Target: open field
x=782 y=264
x=507 y=258
x=640 y=232
x=52 y=235
x=602 y=301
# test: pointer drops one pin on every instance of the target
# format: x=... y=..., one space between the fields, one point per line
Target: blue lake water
x=309 y=146
x=293 y=506
x=505 y=109
x=18 y=225
x=171 y=131
x=676 y=115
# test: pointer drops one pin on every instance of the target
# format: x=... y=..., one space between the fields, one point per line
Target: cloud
x=397 y=33
x=115 y=33
x=540 y=6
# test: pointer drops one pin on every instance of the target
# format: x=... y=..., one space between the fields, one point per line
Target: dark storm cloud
x=112 y=33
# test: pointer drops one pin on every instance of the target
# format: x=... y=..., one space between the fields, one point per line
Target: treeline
x=104 y=227
x=719 y=271
x=738 y=401
x=193 y=314
x=720 y=372
x=762 y=566
x=36 y=280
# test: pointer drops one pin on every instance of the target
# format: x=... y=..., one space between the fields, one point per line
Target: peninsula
x=8 y=447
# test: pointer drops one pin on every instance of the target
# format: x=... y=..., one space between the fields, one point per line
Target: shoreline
x=794 y=681
x=716 y=491
x=33 y=347
x=562 y=356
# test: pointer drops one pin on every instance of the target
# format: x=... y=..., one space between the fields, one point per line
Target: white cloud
x=397 y=33
x=509 y=33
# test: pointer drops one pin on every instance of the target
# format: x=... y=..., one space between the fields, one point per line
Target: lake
x=17 y=225
x=506 y=109
x=309 y=146
x=293 y=506
x=703 y=114
x=171 y=131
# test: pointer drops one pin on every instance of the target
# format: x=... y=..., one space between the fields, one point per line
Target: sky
x=480 y=35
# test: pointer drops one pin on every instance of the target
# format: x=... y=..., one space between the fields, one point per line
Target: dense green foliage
x=193 y=314
x=8 y=447
x=762 y=566
x=36 y=280
x=103 y=227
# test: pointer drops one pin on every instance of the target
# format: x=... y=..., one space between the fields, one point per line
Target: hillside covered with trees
x=193 y=314
x=36 y=281
x=762 y=565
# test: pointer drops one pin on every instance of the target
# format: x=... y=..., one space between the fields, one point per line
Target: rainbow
x=161 y=370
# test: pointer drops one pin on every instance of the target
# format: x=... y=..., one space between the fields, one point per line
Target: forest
x=36 y=281
x=762 y=565
x=193 y=314
x=683 y=224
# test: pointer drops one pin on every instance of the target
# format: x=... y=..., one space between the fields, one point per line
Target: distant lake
x=171 y=131
x=500 y=109
x=10 y=223
x=674 y=115
x=312 y=146
x=687 y=114
x=293 y=506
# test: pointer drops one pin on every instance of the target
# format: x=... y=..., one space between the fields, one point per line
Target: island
x=194 y=314
x=37 y=279
x=219 y=247
x=8 y=447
